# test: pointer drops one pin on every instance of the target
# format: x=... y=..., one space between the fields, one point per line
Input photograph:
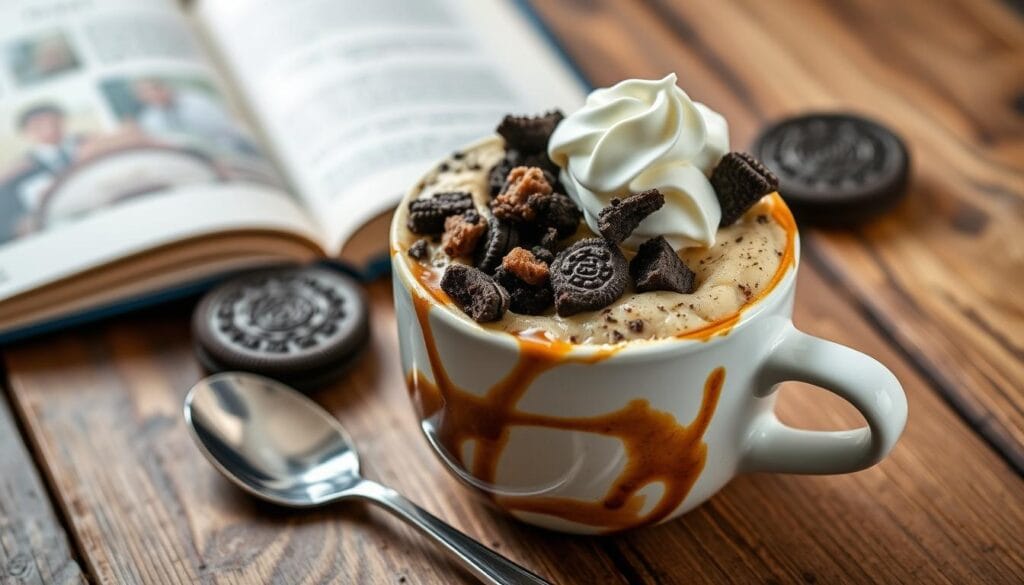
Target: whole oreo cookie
x=588 y=275
x=833 y=168
x=302 y=326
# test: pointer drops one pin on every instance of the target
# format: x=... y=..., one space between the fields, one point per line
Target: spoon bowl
x=282 y=447
x=300 y=456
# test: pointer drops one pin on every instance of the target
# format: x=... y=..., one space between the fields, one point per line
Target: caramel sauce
x=658 y=448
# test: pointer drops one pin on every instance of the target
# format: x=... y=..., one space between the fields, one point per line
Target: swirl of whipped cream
x=638 y=135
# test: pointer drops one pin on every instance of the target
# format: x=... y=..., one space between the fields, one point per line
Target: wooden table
x=100 y=482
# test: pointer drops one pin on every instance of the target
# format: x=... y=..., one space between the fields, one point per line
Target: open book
x=147 y=148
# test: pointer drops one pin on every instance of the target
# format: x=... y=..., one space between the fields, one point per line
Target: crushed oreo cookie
x=462 y=233
x=740 y=180
x=549 y=240
x=617 y=221
x=529 y=134
x=526 y=266
x=543 y=254
x=500 y=239
x=588 y=275
x=477 y=294
x=426 y=216
x=513 y=202
x=524 y=298
x=656 y=266
x=555 y=210
x=419 y=249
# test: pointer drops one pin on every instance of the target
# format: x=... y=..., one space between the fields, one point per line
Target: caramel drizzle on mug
x=658 y=448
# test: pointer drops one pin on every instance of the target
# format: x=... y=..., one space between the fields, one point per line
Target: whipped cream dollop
x=645 y=134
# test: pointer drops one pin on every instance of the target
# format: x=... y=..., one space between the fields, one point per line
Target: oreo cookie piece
x=656 y=266
x=835 y=168
x=588 y=275
x=498 y=174
x=524 y=298
x=301 y=326
x=477 y=294
x=617 y=221
x=501 y=237
x=529 y=134
x=426 y=216
x=555 y=210
x=740 y=180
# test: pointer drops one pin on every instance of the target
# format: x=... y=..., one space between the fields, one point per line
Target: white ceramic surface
x=744 y=435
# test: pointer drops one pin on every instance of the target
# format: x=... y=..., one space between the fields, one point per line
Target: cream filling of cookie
x=729 y=274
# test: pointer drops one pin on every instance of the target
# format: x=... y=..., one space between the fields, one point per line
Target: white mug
x=588 y=439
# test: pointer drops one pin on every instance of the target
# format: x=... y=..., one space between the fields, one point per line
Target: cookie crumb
x=526 y=266
x=462 y=234
x=419 y=249
x=511 y=204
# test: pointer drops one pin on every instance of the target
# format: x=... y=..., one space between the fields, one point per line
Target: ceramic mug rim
x=635 y=348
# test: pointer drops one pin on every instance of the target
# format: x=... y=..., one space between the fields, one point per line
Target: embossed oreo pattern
x=835 y=168
x=291 y=323
x=285 y=313
x=589 y=275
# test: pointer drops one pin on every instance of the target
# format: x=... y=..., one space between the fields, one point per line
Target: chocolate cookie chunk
x=740 y=180
x=426 y=216
x=522 y=184
x=656 y=266
x=462 y=233
x=588 y=275
x=526 y=266
x=555 y=210
x=498 y=174
x=302 y=326
x=543 y=254
x=834 y=168
x=419 y=249
x=477 y=294
x=617 y=221
x=524 y=298
x=500 y=239
x=529 y=134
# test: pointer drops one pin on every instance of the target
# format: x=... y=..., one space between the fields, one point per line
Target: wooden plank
x=33 y=545
x=103 y=406
x=939 y=274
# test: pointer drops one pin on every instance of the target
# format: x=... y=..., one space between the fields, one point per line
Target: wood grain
x=923 y=290
x=33 y=545
x=104 y=407
x=939 y=274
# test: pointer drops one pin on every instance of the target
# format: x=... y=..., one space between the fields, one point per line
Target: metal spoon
x=282 y=447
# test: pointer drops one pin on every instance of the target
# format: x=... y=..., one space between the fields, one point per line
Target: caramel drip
x=658 y=448
x=781 y=214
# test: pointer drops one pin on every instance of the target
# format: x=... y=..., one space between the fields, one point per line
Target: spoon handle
x=487 y=565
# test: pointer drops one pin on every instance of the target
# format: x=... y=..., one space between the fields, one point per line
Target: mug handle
x=858 y=378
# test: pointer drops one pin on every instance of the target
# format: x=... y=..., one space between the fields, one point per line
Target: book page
x=109 y=109
x=357 y=98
